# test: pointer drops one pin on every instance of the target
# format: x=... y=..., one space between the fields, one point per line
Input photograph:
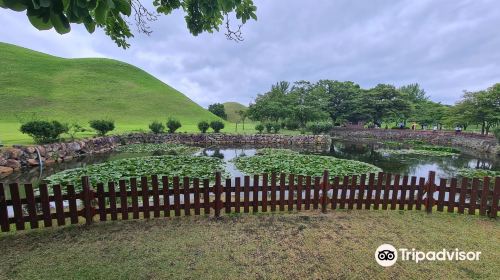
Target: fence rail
x=133 y=199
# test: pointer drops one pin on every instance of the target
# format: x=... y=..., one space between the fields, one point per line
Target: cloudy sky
x=445 y=45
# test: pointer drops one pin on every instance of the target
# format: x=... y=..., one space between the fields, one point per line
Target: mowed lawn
x=306 y=245
x=10 y=134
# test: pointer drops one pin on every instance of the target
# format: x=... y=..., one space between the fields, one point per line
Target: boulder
x=13 y=153
x=4 y=170
x=33 y=162
x=12 y=163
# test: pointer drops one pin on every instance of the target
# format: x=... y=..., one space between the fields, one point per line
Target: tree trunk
x=482 y=127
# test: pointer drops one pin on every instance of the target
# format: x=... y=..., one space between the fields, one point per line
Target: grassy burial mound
x=41 y=86
x=232 y=109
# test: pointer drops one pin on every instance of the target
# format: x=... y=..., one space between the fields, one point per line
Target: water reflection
x=413 y=165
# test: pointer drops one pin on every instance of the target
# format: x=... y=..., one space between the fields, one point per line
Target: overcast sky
x=445 y=45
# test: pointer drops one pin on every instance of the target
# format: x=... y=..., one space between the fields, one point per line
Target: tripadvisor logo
x=386 y=255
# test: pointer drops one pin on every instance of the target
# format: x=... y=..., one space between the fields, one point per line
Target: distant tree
x=342 y=100
x=243 y=115
x=203 y=126
x=217 y=126
x=385 y=102
x=218 y=110
x=102 y=126
x=44 y=132
x=482 y=107
x=156 y=127
x=111 y=15
x=273 y=105
x=414 y=93
x=173 y=124
x=306 y=103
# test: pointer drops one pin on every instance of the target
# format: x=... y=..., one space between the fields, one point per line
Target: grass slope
x=307 y=245
x=40 y=86
x=232 y=109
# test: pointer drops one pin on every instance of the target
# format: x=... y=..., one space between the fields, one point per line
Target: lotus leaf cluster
x=163 y=148
x=112 y=171
x=287 y=161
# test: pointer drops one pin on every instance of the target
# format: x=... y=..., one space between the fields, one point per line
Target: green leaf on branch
x=60 y=22
x=124 y=7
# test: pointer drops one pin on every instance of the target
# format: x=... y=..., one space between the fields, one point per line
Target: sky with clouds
x=447 y=46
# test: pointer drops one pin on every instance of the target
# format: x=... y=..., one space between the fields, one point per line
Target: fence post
x=217 y=192
x=325 y=186
x=496 y=196
x=430 y=187
x=87 y=200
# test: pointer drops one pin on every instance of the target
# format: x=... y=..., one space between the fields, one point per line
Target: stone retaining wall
x=481 y=143
x=13 y=159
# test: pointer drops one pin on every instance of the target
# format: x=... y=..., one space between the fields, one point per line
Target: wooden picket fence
x=191 y=196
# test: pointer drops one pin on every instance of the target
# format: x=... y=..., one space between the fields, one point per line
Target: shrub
x=319 y=127
x=496 y=131
x=203 y=126
x=292 y=125
x=74 y=129
x=173 y=125
x=156 y=127
x=259 y=128
x=102 y=126
x=276 y=128
x=44 y=131
x=269 y=127
x=217 y=126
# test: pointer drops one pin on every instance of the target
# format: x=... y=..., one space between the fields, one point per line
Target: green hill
x=34 y=85
x=232 y=109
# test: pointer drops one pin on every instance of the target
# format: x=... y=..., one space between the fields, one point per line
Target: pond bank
x=480 y=143
x=15 y=158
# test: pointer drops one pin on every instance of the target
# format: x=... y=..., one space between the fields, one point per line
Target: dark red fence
x=165 y=197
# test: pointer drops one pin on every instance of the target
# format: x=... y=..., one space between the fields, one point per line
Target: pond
x=410 y=164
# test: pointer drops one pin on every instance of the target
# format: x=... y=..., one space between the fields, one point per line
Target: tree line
x=303 y=103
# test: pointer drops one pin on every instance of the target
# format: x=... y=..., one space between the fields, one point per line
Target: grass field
x=340 y=244
x=232 y=109
x=39 y=86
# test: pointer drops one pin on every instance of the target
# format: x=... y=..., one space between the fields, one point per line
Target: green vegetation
x=278 y=160
x=477 y=173
x=102 y=127
x=259 y=127
x=218 y=110
x=163 y=148
x=156 y=127
x=497 y=133
x=341 y=103
x=44 y=131
x=319 y=127
x=203 y=126
x=438 y=149
x=43 y=87
x=416 y=152
x=200 y=167
x=173 y=125
x=217 y=126
x=417 y=148
x=233 y=111
x=339 y=243
x=480 y=108
x=206 y=16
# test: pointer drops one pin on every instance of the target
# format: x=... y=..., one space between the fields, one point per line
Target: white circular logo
x=386 y=255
